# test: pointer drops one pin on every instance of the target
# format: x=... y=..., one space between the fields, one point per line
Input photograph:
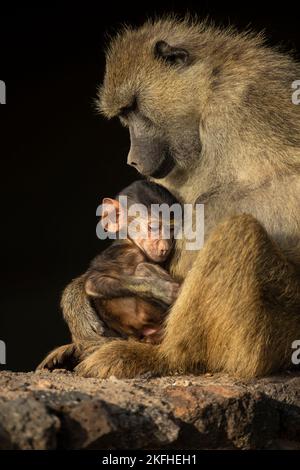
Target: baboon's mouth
x=167 y=164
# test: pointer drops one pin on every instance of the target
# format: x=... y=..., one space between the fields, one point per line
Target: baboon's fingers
x=61 y=357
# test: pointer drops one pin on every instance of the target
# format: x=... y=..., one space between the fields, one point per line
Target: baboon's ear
x=172 y=55
x=112 y=215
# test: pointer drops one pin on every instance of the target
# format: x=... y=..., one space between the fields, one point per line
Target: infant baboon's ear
x=112 y=215
x=172 y=55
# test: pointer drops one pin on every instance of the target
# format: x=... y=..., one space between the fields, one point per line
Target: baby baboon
x=211 y=118
x=133 y=263
x=125 y=265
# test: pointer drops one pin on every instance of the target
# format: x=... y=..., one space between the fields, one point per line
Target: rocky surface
x=58 y=410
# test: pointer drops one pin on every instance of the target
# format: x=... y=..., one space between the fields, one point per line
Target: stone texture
x=58 y=410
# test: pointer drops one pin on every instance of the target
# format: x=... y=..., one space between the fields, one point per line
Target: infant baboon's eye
x=154 y=227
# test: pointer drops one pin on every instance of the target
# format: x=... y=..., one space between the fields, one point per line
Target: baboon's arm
x=149 y=282
x=106 y=286
x=78 y=312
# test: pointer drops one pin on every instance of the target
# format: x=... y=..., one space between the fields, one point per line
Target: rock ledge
x=58 y=410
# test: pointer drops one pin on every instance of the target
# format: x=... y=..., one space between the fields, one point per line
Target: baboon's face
x=152 y=90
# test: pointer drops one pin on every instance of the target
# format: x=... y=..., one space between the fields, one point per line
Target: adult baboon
x=211 y=118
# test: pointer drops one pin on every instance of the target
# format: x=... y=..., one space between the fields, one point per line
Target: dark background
x=59 y=158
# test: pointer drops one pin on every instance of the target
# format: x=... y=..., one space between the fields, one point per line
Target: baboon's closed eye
x=172 y=55
x=130 y=108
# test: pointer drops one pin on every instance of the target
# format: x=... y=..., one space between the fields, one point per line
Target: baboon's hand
x=64 y=357
x=171 y=291
x=158 y=280
x=69 y=355
x=152 y=288
x=122 y=359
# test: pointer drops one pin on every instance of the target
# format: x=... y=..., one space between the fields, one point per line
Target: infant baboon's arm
x=149 y=282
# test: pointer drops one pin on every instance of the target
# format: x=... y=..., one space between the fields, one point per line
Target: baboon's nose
x=133 y=163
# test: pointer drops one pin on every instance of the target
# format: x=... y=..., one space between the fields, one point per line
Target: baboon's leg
x=238 y=311
x=122 y=358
